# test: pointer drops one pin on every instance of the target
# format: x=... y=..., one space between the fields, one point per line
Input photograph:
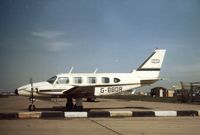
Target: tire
x=78 y=108
x=31 y=107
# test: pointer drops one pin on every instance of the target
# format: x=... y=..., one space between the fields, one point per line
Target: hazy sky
x=41 y=38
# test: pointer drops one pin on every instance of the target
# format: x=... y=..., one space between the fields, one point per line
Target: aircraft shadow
x=62 y=108
x=129 y=107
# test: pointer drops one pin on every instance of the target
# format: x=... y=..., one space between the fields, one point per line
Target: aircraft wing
x=80 y=91
x=70 y=91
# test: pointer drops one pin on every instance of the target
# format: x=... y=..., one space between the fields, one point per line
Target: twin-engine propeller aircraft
x=86 y=85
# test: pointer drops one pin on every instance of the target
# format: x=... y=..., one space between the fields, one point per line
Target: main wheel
x=78 y=108
x=31 y=107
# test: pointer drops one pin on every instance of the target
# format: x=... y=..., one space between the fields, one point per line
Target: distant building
x=170 y=93
x=158 y=92
x=162 y=92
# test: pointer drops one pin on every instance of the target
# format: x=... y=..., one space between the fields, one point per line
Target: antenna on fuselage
x=95 y=70
x=71 y=70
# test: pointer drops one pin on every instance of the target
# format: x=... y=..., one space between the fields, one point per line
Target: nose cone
x=16 y=92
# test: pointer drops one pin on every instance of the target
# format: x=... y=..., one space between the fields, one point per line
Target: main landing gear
x=77 y=107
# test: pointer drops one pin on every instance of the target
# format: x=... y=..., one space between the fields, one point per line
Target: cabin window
x=77 y=80
x=116 y=80
x=63 y=80
x=105 y=80
x=91 y=79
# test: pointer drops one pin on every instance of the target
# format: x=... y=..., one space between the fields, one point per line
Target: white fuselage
x=95 y=84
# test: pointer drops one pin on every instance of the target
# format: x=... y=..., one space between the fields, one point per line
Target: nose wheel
x=31 y=107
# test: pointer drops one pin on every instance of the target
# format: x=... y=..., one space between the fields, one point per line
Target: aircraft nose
x=16 y=92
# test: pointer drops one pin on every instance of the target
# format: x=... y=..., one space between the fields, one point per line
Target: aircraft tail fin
x=151 y=67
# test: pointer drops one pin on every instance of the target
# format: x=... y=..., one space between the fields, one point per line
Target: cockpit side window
x=52 y=79
x=63 y=80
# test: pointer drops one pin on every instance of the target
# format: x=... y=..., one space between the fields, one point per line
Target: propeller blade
x=31 y=82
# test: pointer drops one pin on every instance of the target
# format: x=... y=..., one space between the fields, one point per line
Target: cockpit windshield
x=52 y=79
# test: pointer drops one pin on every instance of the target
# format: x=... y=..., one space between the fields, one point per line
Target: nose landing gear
x=31 y=107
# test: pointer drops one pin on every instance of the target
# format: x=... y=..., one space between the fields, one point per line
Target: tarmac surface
x=97 y=126
x=18 y=103
x=103 y=126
